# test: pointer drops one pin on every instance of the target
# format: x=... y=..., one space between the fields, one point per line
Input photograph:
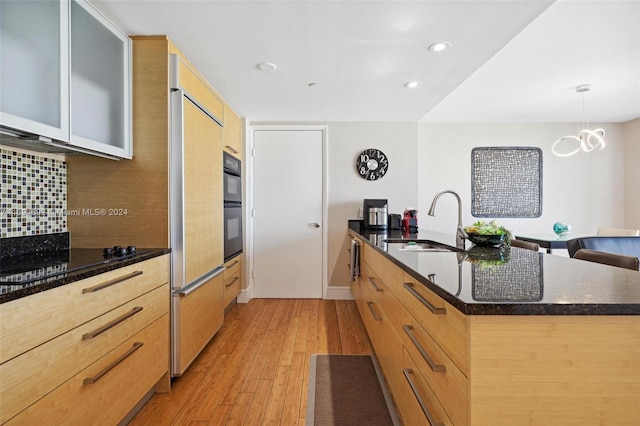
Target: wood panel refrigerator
x=196 y=223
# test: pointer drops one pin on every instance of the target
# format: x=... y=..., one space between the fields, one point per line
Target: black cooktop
x=33 y=268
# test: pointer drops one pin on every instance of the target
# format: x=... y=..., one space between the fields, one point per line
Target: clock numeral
x=363 y=171
x=372 y=176
x=364 y=158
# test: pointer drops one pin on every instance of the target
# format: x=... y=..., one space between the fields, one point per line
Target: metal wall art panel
x=506 y=182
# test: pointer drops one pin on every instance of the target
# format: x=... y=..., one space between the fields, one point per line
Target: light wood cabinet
x=199 y=315
x=381 y=312
x=459 y=369
x=232 y=279
x=112 y=327
x=232 y=139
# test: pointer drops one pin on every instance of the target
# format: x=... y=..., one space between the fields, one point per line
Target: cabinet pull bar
x=373 y=312
x=425 y=302
x=432 y=365
x=193 y=286
x=232 y=149
x=107 y=326
x=110 y=283
x=91 y=380
x=373 y=282
x=407 y=374
x=233 y=264
x=232 y=281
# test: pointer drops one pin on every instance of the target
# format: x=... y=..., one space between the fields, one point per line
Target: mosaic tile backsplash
x=34 y=194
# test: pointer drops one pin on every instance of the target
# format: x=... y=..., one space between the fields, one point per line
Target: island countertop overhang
x=526 y=283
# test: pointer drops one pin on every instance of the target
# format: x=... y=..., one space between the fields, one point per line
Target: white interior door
x=288 y=213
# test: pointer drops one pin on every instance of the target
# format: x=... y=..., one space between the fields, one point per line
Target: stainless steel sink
x=418 y=245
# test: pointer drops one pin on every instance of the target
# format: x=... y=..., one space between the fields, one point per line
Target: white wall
x=585 y=190
x=347 y=189
x=632 y=174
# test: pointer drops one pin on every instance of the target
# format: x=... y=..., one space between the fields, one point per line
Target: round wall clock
x=372 y=164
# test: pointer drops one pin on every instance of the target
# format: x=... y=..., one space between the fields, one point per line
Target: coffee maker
x=374 y=213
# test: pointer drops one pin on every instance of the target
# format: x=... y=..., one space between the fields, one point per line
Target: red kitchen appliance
x=410 y=221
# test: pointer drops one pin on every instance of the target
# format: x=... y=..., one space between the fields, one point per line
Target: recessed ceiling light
x=412 y=84
x=266 y=66
x=439 y=46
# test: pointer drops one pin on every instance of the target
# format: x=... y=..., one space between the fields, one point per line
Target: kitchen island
x=510 y=336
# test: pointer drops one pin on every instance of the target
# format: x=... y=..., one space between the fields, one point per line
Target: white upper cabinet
x=100 y=83
x=65 y=74
x=34 y=67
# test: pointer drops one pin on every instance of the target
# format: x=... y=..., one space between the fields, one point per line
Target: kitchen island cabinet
x=89 y=349
x=529 y=339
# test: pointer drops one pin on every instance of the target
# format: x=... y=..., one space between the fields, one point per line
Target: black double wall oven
x=232 y=206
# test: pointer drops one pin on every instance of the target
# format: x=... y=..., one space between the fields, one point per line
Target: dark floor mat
x=347 y=390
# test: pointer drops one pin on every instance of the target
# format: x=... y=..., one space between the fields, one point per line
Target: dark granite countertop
x=55 y=278
x=511 y=281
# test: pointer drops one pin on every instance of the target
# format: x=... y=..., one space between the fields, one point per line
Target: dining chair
x=525 y=245
x=618 y=232
x=620 y=260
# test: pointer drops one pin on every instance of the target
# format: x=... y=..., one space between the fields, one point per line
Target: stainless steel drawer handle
x=112 y=282
x=425 y=302
x=373 y=312
x=232 y=149
x=432 y=365
x=373 y=283
x=91 y=380
x=107 y=326
x=232 y=281
x=408 y=372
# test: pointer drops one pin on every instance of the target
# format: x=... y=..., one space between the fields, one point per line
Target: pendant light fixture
x=587 y=140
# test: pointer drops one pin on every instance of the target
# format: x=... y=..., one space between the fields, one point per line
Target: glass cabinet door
x=34 y=67
x=100 y=83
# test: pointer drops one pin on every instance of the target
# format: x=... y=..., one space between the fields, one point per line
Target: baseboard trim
x=246 y=294
x=338 y=293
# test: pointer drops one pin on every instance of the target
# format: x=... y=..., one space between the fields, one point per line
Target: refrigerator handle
x=193 y=286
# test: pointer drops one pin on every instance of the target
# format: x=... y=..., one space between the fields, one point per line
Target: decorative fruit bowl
x=488 y=234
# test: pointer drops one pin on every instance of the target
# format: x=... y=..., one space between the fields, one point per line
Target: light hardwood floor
x=254 y=371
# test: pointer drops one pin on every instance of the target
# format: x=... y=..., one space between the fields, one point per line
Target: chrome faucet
x=460 y=234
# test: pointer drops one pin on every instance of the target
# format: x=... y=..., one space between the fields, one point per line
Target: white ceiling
x=510 y=61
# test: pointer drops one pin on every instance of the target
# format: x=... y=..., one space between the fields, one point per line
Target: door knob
x=315 y=225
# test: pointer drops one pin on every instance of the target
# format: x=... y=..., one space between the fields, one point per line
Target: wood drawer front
x=113 y=395
x=373 y=283
x=443 y=376
x=35 y=319
x=233 y=268
x=30 y=376
x=386 y=270
x=411 y=409
x=386 y=343
x=200 y=315
x=447 y=326
x=231 y=288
